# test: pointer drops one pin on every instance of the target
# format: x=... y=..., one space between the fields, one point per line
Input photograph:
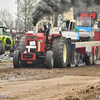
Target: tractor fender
x=7 y=40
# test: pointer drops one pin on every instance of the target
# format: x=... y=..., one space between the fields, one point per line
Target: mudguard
x=6 y=40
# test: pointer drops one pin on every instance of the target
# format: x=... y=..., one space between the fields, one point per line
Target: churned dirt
x=38 y=83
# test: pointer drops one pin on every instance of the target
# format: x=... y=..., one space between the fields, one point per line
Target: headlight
x=32 y=37
x=35 y=37
x=28 y=37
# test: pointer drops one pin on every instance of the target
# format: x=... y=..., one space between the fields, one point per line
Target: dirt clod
x=71 y=98
x=92 y=87
x=87 y=90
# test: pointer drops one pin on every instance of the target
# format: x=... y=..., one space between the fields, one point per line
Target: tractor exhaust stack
x=34 y=30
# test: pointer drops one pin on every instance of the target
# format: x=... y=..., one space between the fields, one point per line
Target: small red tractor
x=53 y=50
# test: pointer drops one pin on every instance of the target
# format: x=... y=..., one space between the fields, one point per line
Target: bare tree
x=6 y=18
x=56 y=20
x=21 y=26
x=26 y=9
x=1 y=23
x=25 y=12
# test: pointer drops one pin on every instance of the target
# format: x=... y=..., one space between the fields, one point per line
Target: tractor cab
x=49 y=27
x=2 y=30
x=11 y=33
x=68 y=29
x=68 y=25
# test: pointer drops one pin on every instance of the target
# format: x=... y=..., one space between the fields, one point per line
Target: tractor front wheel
x=49 y=60
x=17 y=59
x=2 y=48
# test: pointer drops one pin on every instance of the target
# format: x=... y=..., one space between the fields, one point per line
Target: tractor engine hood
x=6 y=40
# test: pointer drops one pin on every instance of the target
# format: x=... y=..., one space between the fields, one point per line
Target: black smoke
x=50 y=7
x=97 y=2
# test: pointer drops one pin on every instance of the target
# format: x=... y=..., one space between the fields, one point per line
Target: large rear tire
x=2 y=48
x=17 y=59
x=22 y=44
x=59 y=48
x=49 y=60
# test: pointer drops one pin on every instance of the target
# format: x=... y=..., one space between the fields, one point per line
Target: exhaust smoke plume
x=49 y=7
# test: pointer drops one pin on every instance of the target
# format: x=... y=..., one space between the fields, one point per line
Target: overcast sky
x=10 y=5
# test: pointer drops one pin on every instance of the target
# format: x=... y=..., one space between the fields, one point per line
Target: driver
x=43 y=29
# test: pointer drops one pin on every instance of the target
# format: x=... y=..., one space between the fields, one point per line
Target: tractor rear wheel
x=2 y=48
x=17 y=59
x=49 y=60
x=59 y=48
x=22 y=44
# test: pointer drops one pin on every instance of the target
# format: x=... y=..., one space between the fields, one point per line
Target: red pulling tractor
x=34 y=50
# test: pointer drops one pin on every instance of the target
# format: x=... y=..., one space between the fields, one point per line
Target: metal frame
x=43 y=22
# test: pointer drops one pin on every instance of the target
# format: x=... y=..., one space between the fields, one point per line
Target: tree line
x=25 y=16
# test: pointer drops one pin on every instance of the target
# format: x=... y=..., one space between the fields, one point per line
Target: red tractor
x=37 y=49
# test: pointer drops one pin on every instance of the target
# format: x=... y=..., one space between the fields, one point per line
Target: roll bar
x=42 y=21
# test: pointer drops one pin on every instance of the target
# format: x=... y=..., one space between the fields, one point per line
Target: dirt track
x=80 y=83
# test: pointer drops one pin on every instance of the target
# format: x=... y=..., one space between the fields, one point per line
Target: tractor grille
x=8 y=41
x=27 y=55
